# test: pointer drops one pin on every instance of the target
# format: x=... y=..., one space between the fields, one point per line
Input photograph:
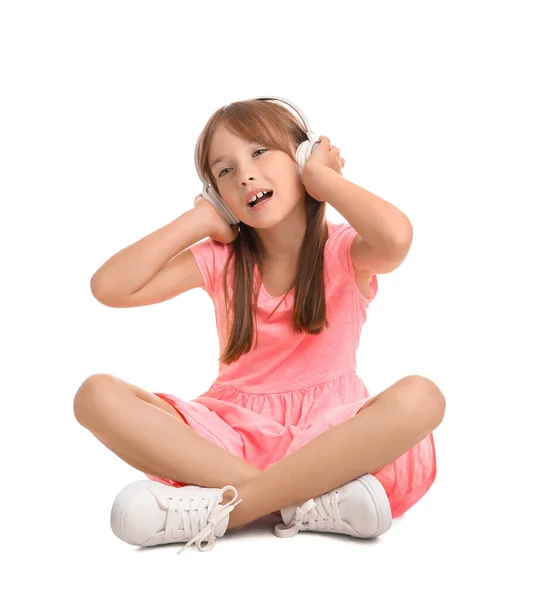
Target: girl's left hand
x=322 y=157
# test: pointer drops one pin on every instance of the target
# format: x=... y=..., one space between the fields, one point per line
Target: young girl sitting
x=288 y=426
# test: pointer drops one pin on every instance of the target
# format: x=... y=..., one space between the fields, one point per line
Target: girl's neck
x=282 y=243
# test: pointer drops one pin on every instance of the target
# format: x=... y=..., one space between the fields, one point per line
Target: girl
x=287 y=425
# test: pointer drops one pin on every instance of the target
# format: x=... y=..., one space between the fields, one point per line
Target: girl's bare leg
x=393 y=423
x=150 y=435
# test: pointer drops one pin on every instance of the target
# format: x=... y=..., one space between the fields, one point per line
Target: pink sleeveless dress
x=293 y=386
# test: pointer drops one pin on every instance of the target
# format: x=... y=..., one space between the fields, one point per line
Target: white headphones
x=302 y=154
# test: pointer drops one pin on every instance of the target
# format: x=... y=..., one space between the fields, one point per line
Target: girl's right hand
x=220 y=231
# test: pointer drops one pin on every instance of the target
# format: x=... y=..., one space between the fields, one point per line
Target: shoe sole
x=381 y=502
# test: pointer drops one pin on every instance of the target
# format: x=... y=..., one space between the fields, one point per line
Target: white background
x=433 y=105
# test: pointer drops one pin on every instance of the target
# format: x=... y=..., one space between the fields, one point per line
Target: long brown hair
x=272 y=125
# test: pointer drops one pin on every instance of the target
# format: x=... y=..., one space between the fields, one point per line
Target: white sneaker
x=148 y=513
x=359 y=508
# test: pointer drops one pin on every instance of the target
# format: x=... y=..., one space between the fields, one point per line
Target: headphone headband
x=294 y=106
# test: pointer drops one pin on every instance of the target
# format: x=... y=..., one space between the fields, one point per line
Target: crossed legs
x=150 y=435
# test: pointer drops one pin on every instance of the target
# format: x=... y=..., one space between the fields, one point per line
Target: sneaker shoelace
x=321 y=514
x=191 y=520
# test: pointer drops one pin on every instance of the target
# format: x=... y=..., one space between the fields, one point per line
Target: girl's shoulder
x=211 y=257
x=341 y=235
x=338 y=245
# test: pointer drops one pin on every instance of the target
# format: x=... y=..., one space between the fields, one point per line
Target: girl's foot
x=148 y=513
x=359 y=508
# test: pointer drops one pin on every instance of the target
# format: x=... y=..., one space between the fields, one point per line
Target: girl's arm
x=132 y=268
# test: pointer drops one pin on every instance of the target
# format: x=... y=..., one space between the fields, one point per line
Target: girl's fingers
x=334 y=149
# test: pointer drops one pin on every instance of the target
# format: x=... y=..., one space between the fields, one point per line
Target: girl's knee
x=90 y=396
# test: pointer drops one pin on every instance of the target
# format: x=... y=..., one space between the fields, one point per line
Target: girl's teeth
x=259 y=200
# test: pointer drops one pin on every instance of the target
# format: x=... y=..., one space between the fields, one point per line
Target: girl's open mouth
x=259 y=202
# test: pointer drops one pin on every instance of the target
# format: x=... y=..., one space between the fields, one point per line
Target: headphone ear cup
x=302 y=154
x=212 y=196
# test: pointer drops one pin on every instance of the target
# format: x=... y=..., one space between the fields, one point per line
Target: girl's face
x=248 y=166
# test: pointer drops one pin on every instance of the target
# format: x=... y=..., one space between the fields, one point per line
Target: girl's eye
x=260 y=150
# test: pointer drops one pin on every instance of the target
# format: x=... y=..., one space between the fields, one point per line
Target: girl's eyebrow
x=221 y=158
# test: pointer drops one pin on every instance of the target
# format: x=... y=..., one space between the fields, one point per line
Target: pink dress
x=292 y=387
